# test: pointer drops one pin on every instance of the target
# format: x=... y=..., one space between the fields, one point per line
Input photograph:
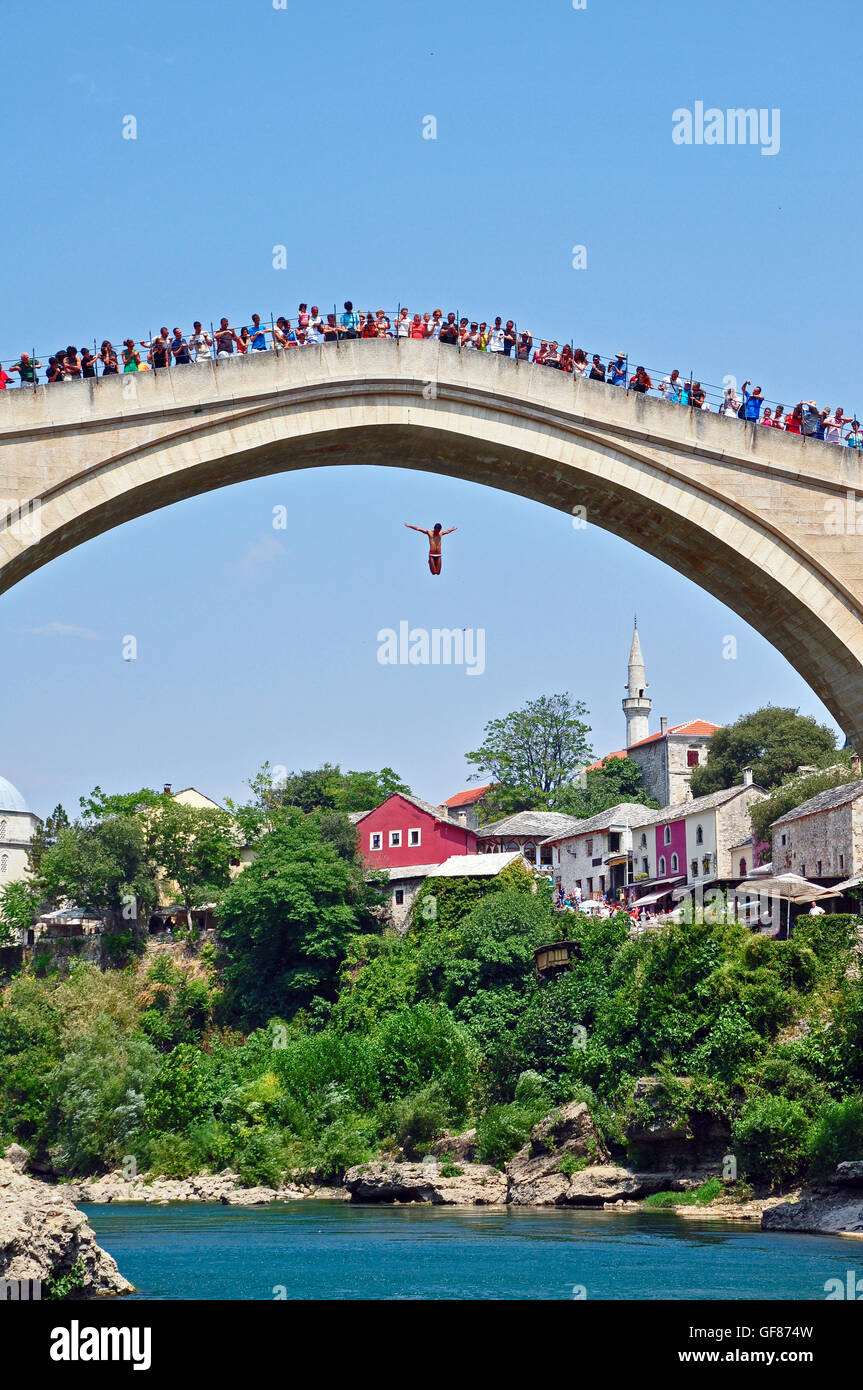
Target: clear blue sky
x=303 y=127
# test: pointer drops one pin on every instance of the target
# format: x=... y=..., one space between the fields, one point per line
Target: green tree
x=102 y=865
x=532 y=754
x=617 y=780
x=19 y=904
x=192 y=847
x=326 y=788
x=99 y=805
x=286 y=920
x=774 y=741
x=99 y=1090
x=44 y=837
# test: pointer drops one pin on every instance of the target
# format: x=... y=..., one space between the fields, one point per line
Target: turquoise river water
x=333 y=1250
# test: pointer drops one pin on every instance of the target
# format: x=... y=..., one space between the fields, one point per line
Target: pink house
x=671 y=848
x=404 y=830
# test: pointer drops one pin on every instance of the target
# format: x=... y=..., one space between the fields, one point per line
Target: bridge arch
x=762 y=520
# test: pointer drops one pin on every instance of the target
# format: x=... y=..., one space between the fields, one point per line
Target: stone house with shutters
x=592 y=854
x=698 y=841
x=822 y=838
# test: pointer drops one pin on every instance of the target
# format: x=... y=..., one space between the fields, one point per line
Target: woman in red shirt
x=417 y=329
x=566 y=358
x=794 y=421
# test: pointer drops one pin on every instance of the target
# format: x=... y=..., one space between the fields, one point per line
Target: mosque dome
x=10 y=797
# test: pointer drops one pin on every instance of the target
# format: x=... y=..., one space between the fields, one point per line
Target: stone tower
x=636 y=705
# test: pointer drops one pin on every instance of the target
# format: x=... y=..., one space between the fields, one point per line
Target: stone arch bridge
x=764 y=520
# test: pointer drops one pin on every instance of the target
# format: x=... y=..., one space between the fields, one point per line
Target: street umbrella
x=789 y=886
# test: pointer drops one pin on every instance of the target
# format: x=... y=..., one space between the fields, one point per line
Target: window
x=819 y=867
x=743 y=870
x=692 y=757
x=529 y=851
x=693 y=868
x=841 y=862
x=666 y=835
x=783 y=839
x=4 y=863
x=643 y=841
x=414 y=837
x=375 y=840
x=699 y=835
x=644 y=865
x=675 y=863
x=705 y=863
x=614 y=841
x=545 y=854
x=802 y=870
x=661 y=864
x=399 y=897
x=588 y=846
x=395 y=839
x=3 y=829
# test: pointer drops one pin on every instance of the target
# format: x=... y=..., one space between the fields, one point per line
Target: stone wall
x=822 y=838
x=733 y=824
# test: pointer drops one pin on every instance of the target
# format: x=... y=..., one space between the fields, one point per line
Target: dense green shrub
x=837 y=1135
x=99 y=1090
x=769 y=1136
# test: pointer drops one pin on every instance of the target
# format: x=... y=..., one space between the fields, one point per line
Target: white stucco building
x=17 y=823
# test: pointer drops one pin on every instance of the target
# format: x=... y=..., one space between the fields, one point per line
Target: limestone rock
x=461 y=1147
x=835 y=1206
x=534 y=1185
x=568 y=1130
x=817 y=1214
x=43 y=1236
x=478 y=1185
x=848 y=1174
x=535 y=1175
x=224 y=1187
x=18 y=1157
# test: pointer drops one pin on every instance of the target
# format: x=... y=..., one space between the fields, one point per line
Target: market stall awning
x=670 y=879
x=790 y=886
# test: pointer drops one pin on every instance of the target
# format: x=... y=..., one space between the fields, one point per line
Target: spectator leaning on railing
x=502 y=339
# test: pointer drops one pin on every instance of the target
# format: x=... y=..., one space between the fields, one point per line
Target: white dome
x=10 y=797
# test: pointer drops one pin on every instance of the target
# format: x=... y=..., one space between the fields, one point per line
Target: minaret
x=636 y=706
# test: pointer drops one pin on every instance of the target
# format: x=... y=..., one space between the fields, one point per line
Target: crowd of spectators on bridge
x=312 y=328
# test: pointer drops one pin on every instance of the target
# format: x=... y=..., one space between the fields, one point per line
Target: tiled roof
x=438 y=812
x=467 y=798
x=537 y=824
x=632 y=811
x=699 y=804
x=824 y=801
x=476 y=865
x=693 y=728
x=412 y=871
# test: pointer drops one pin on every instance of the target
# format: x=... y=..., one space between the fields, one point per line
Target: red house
x=404 y=830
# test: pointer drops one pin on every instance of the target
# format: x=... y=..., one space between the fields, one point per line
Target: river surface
x=333 y=1250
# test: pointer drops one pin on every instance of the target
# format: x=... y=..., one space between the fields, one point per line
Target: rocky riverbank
x=224 y=1187
x=44 y=1237
x=834 y=1207
x=564 y=1164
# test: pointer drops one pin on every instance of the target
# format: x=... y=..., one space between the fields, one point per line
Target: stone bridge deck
x=764 y=520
